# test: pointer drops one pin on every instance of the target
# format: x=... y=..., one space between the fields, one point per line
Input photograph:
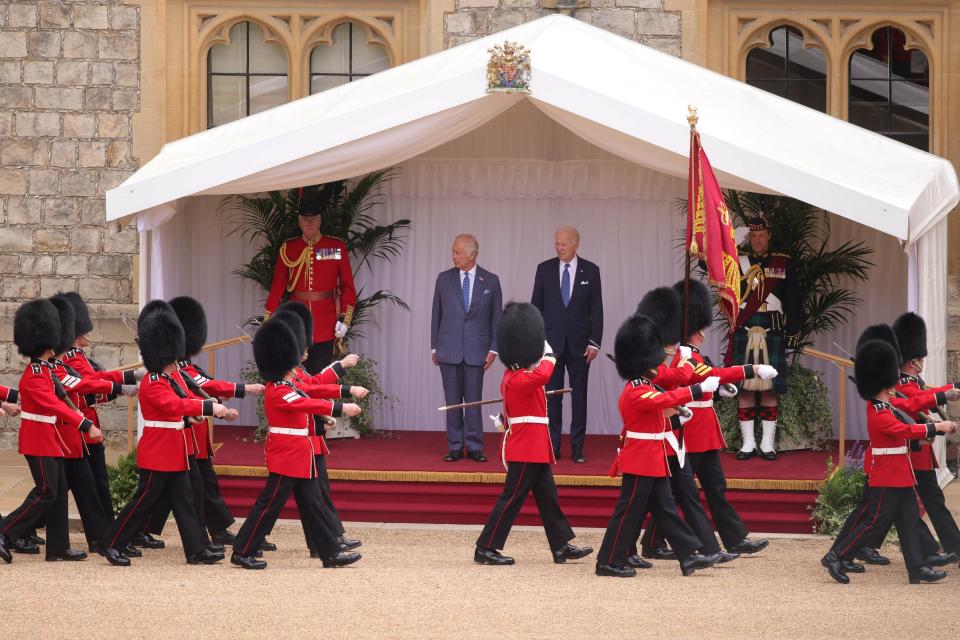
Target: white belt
x=160 y=424
x=889 y=451
x=635 y=435
x=700 y=404
x=284 y=431
x=527 y=420
x=35 y=418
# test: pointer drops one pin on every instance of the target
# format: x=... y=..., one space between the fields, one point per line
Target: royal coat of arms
x=509 y=69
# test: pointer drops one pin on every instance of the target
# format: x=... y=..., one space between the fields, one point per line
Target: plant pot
x=343 y=429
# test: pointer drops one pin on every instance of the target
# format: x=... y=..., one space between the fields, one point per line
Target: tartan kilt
x=776 y=346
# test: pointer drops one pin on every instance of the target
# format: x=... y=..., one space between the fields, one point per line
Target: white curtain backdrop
x=511 y=183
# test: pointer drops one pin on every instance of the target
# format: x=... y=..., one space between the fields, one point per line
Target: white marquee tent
x=601 y=141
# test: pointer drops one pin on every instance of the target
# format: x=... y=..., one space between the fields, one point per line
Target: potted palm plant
x=270 y=220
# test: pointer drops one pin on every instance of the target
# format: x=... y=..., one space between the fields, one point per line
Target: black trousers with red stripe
x=161 y=512
x=47 y=501
x=881 y=507
x=638 y=496
x=522 y=478
x=155 y=487
x=82 y=486
x=330 y=514
x=266 y=510
x=215 y=510
x=687 y=495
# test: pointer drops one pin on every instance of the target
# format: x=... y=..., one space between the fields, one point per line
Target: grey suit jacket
x=460 y=336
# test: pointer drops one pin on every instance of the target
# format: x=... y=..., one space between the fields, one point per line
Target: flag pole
x=691 y=202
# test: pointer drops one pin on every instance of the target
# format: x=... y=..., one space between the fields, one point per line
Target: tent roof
x=619 y=95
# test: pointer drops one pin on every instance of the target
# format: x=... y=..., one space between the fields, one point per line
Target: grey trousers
x=463 y=383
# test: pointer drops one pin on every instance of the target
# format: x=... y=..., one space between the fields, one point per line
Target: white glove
x=340 y=330
x=140 y=373
x=727 y=391
x=547 y=348
x=764 y=371
x=684 y=419
x=710 y=385
x=685 y=352
x=498 y=422
x=129 y=390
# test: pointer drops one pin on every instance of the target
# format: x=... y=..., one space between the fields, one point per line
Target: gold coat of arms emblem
x=509 y=68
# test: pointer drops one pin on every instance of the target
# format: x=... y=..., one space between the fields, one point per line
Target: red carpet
x=402 y=478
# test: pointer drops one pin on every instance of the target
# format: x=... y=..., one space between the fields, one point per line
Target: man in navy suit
x=567 y=292
x=466 y=309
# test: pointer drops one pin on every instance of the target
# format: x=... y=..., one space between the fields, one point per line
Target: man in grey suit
x=466 y=308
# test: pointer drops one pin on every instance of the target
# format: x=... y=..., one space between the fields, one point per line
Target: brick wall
x=69 y=84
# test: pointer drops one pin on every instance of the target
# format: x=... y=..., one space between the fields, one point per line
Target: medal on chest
x=328 y=253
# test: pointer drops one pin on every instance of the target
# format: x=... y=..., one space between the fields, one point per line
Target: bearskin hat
x=911 y=332
x=638 y=347
x=520 y=334
x=36 y=328
x=194 y=321
x=879 y=332
x=294 y=321
x=662 y=305
x=68 y=323
x=306 y=317
x=83 y=325
x=160 y=336
x=275 y=350
x=875 y=368
x=700 y=308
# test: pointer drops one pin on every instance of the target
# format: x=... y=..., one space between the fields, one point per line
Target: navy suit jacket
x=460 y=336
x=578 y=324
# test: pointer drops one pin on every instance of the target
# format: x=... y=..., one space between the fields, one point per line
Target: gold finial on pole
x=692 y=116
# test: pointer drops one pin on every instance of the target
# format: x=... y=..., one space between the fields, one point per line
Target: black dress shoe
x=570 y=552
x=491 y=556
x=696 y=561
x=871 y=556
x=216 y=548
x=659 y=553
x=477 y=456
x=20 y=545
x=68 y=555
x=223 y=538
x=768 y=455
x=834 y=567
x=727 y=557
x=849 y=566
x=346 y=544
x=267 y=546
x=637 y=562
x=147 y=541
x=114 y=557
x=256 y=553
x=452 y=456
x=247 y=562
x=341 y=559
x=205 y=556
x=941 y=559
x=577 y=456
x=4 y=552
x=748 y=546
x=926 y=574
x=746 y=455
x=616 y=571
x=131 y=552
x=35 y=539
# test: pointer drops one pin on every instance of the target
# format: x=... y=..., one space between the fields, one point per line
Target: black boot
x=346 y=544
x=267 y=546
x=570 y=552
x=926 y=574
x=834 y=567
x=147 y=541
x=637 y=562
x=131 y=551
x=941 y=559
x=727 y=557
x=491 y=556
x=247 y=562
x=205 y=556
x=68 y=555
x=871 y=556
x=114 y=557
x=615 y=571
x=222 y=538
x=747 y=546
x=849 y=566
x=21 y=545
x=341 y=559
x=659 y=553
x=696 y=561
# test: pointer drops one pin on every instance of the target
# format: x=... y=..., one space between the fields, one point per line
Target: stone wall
x=641 y=20
x=69 y=84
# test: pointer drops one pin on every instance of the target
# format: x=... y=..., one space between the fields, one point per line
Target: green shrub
x=124 y=478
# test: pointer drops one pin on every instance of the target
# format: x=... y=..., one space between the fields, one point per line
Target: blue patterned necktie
x=466 y=291
x=565 y=285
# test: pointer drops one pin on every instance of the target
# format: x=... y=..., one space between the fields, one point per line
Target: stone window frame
x=810 y=41
x=322 y=35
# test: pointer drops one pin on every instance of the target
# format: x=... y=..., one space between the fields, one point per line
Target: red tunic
x=924 y=399
x=214 y=389
x=78 y=388
x=289 y=448
x=641 y=408
x=40 y=411
x=9 y=394
x=527 y=438
x=165 y=446
x=308 y=271
x=89 y=370
x=322 y=386
x=888 y=434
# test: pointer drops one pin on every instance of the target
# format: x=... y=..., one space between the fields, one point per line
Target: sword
x=478 y=403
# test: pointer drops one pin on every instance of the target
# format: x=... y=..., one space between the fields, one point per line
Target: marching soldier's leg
x=520 y=479
x=132 y=517
x=310 y=503
x=709 y=470
x=218 y=515
x=687 y=495
x=906 y=516
x=158 y=517
x=58 y=523
x=98 y=467
x=933 y=501
x=80 y=481
x=29 y=515
x=683 y=540
x=182 y=495
x=555 y=523
x=262 y=517
x=627 y=517
x=331 y=510
x=196 y=492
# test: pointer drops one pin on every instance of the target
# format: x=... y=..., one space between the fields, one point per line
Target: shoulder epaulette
x=36 y=368
x=71 y=353
x=154 y=377
x=880 y=405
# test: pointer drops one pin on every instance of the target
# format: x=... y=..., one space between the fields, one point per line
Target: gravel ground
x=420 y=582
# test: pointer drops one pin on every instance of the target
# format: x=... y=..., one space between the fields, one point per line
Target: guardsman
x=289 y=452
x=77 y=359
x=768 y=324
x=36 y=332
x=643 y=458
x=701 y=437
x=314 y=270
x=890 y=494
x=526 y=451
x=164 y=449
